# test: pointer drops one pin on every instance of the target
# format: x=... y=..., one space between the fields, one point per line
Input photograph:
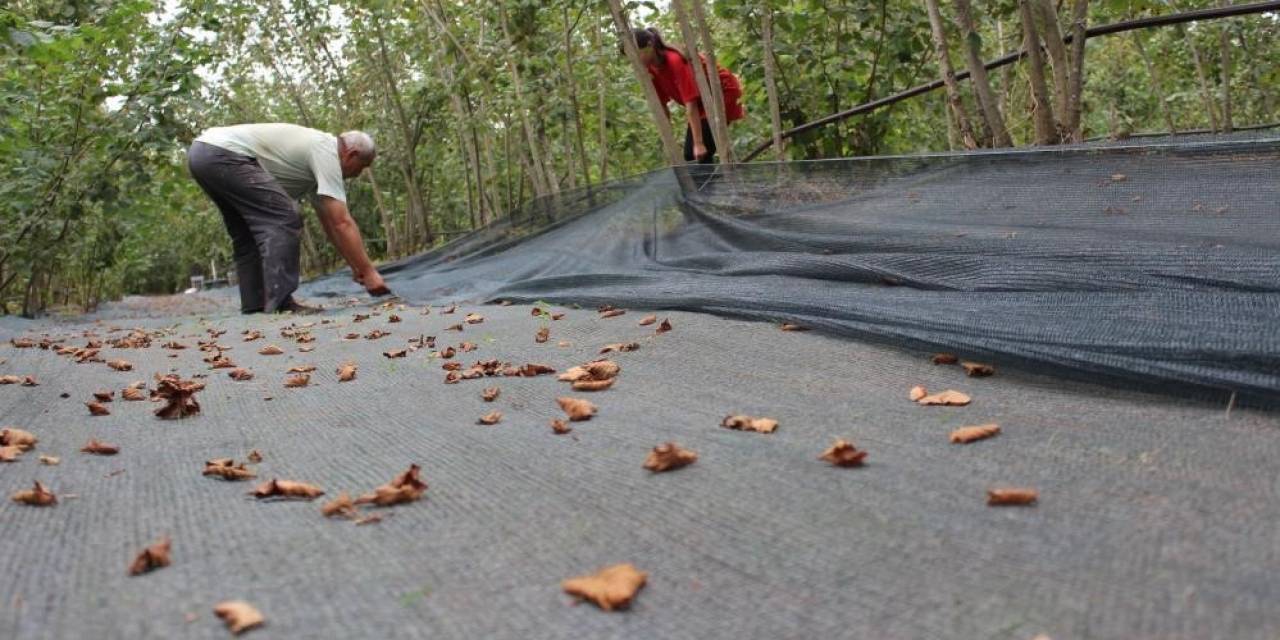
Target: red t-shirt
x=675 y=81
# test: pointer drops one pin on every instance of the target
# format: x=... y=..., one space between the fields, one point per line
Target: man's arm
x=345 y=235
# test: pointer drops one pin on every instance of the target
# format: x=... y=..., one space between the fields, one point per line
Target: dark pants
x=708 y=141
x=263 y=222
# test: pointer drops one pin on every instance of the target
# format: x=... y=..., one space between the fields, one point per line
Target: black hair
x=651 y=36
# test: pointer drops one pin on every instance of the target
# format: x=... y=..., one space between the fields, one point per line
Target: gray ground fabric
x=1150 y=263
x=1156 y=519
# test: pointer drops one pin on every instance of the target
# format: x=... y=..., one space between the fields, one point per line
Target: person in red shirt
x=673 y=77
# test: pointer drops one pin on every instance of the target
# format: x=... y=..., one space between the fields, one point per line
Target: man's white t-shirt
x=304 y=161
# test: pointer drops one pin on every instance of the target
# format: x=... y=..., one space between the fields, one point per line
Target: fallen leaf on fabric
x=613 y=313
x=405 y=487
x=179 y=396
x=748 y=423
x=396 y=353
x=151 y=558
x=240 y=375
x=22 y=343
x=452 y=365
x=369 y=519
x=393 y=318
x=270 y=350
x=664 y=327
x=474 y=318
x=467 y=347
x=10 y=379
x=134 y=393
x=174 y=344
x=251 y=335
x=577 y=409
x=843 y=454
x=491 y=418
x=97 y=409
x=104 y=396
x=239 y=616
x=946 y=398
x=254 y=456
x=99 y=448
x=454 y=327
x=297 y=381
x=287 y=489
x=945 y=358
x=50 y=460
x=917 y=392
x=977 y=370
x=593 y=385
x=376 y=333
x=347 y=372
x=542 y=336
x=13 y=437
x=574 y=374
x=37 y=496
x=306 y=368
x=559 y=427
x=221 y=363
x=1119 y=177
x=120 y=365
x=490 y=394
x=306 y=349
x=227 y=469
x=648 y=320
x=1012 y=497
x=965 y=435
x=611 y=588
x=604 y=308
x=360 y=317
x=11 y=453
x=341 y=506
x=787 y=326
x=448 y=352
x=351 y=336
x=533 y=369
x=557 y=316
x=668 y=456
x=449 y=309
x=620 y=347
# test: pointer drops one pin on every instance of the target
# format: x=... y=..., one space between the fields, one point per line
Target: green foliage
x=99 y=98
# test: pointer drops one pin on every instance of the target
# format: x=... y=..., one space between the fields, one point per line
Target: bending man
x=255 y=173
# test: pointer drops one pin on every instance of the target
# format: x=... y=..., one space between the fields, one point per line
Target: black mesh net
x=1154 y=263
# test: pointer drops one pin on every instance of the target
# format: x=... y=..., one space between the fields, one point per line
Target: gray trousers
x=263 y=222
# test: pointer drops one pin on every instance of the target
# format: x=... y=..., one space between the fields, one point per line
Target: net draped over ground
x=1158 y=264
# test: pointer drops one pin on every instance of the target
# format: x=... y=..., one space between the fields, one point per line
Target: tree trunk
x=1072 y=121
x=572 y=82
x=1225 y=40
x=978 y=74
x=1041 y=107
x=955 y=101
x=602 y=103
x=1157 y=86
x=408 y=168
x=714 y=115
x=1051 y=34
x=1206 y=94
x=674 y=156
x=388 y=228
x=542 y=183
x=770 y=83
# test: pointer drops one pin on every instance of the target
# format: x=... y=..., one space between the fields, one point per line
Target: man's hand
x=373 y=282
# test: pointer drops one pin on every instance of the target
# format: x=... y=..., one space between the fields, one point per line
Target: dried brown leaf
x=977 y=369
x=240 y=375
x=449 y=309
x=11 y=453
x=917 y=392
x=491 y=418
x=376 y=333
x=543 y=335
x=393 y=318
x=179 y=397
x=1012 y=497
x=452 y=365
x=532 y=369
x=965 y=435
x=97 y=409
x=13 y=437
x=50 y=460
x=490 y=394
x=251 y=335
x=668 y=456
x=945 y=358
x=664 y=327
x=227 y=469
x=270 y=350
x=347 y=372
x=174 y=344
x=133 y=394
x=787 y=326
x=99 y=448
x=593 y=385
x=151 y=558
x=948 y=398
x=613 y=313
x=254 y=456
x=341 y=506
x=610 y=588
x=620 y=347
x=467 y=347
x=297 y=381
x=748 y=423
x=104 y=396
x=405 y=487
x=448 y=352
x=287 y=489
x=576 y=408
x=557 y=316
x=474 y=318
x=454 y=327
x=396 y=353
x=37 y=496
x=239 y=616
x=574 y=374
x=843 y=454
x=10 y=379
x=306 y=368
x=120 y=365
x=559 y=427
x=648 y=320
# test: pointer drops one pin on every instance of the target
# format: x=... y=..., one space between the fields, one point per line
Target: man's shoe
x=298 y=308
